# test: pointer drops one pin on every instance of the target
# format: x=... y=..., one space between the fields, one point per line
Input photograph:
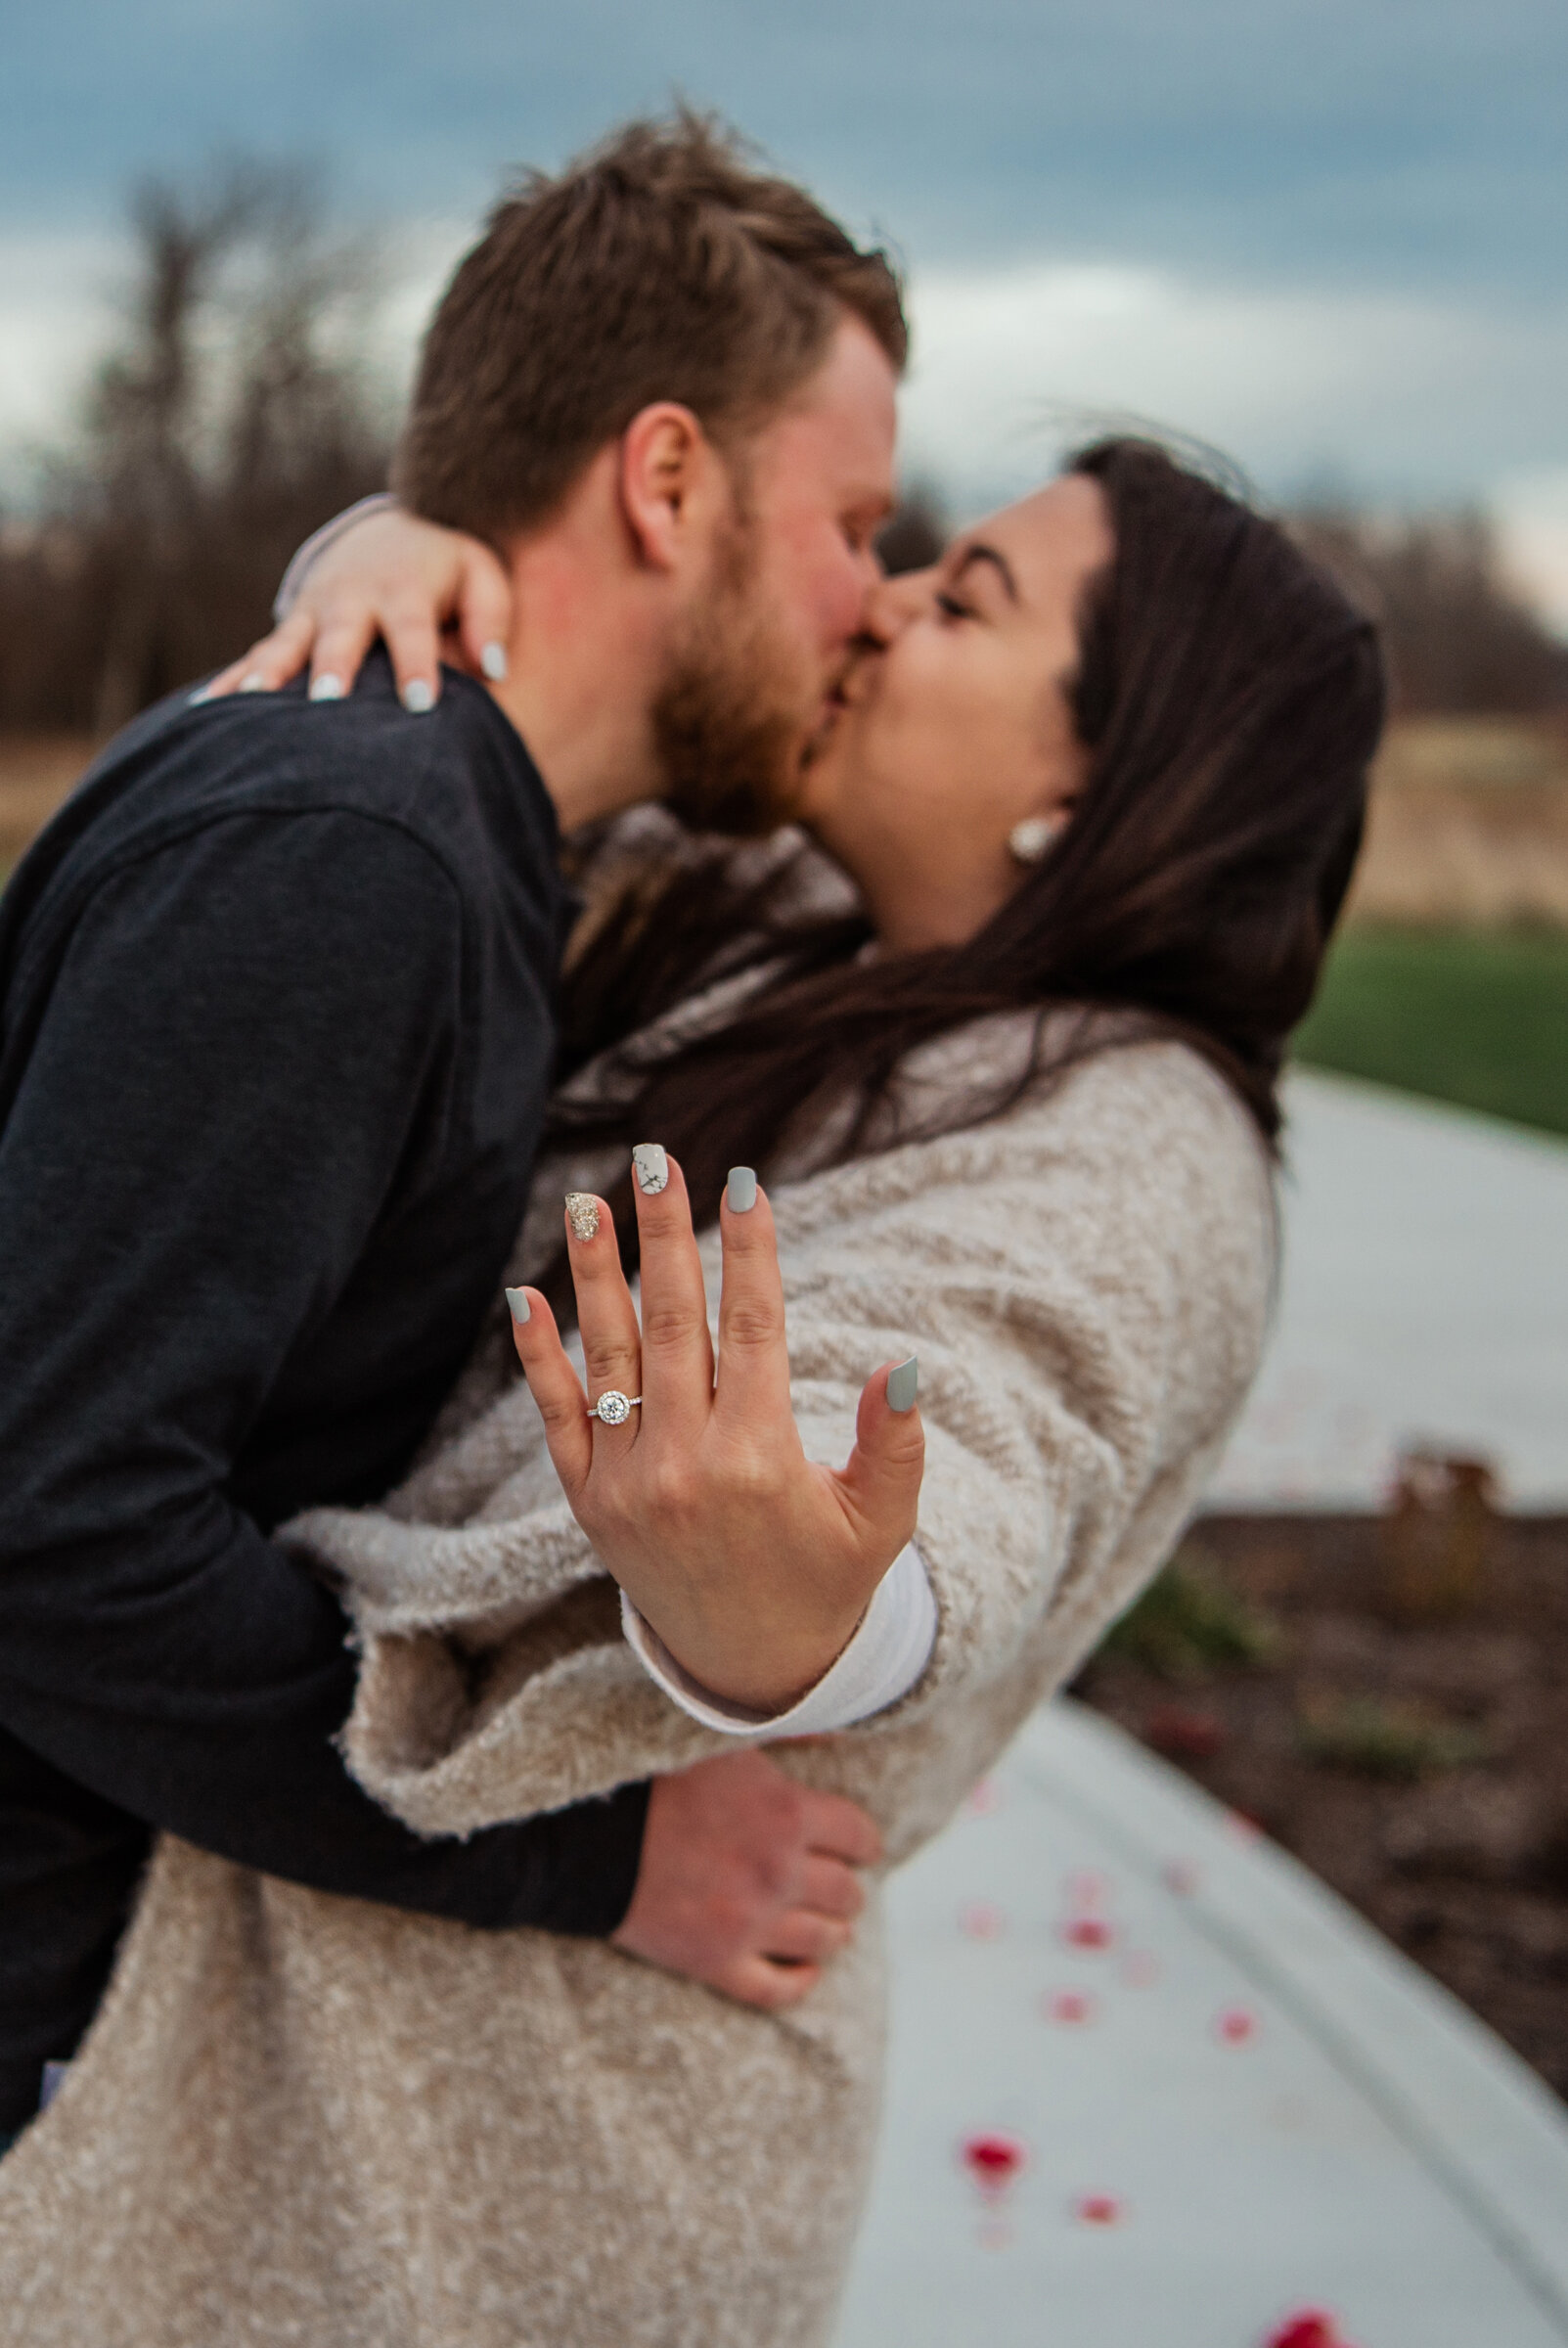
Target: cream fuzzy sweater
x=301 y=2118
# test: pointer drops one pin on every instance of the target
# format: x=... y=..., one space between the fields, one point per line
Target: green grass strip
x=1479 y=1018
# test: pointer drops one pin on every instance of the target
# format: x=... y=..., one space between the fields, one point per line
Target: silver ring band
x=614 y=1408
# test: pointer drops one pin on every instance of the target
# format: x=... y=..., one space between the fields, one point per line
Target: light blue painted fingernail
x=203 y=693
x=740 y=1191
x=493 y=662
x=255 y=682
x=324 y=688
x=419 y=697
x=902 y=1384
x=518 y=1305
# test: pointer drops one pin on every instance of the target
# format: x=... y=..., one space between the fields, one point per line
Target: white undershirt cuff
x=882 y=1661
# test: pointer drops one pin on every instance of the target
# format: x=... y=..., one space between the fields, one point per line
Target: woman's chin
x=827 y=756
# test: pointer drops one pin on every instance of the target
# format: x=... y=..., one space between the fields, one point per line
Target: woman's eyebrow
x=978 y=551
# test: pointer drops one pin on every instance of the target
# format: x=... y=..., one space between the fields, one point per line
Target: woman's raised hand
x=751 y=1563
x=430 y=594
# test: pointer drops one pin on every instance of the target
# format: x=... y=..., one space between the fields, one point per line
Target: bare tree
x=239 y=411
x=1459 y=638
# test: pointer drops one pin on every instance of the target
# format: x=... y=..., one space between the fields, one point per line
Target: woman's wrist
x=379 y=501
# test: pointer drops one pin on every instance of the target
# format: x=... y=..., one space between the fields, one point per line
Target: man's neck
x=581 y=667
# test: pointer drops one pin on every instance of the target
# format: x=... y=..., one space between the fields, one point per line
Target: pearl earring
x=1028 y=842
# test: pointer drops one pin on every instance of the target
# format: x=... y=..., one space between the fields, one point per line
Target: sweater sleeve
x=247 y=1037
x=1086 y=1282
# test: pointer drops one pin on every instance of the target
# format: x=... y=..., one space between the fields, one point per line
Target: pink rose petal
x=1098 y=2209
x=1071 y=2005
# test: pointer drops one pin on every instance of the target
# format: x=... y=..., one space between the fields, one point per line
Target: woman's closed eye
x=952 y=609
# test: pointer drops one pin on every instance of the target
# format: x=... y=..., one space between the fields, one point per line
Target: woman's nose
x=893 y=603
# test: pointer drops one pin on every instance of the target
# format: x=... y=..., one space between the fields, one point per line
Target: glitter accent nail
x=582 y=1214
x=653 y=1168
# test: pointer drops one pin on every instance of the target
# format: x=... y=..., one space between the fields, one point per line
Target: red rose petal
x=1182 y=1735
x=994 y=2161
x=1088 y=1932
x=1309 y=2327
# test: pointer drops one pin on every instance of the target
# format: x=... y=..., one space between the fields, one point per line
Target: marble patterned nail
x=653 y=1168
x=518 y=1306
x=740 y=1191
x=582 y=1214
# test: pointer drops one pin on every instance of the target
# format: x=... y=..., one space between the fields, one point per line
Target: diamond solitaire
x=614 y=1408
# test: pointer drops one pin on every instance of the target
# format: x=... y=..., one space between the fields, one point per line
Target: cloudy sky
x=1329 y=235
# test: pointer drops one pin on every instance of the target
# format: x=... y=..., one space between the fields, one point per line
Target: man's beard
x=727 y=720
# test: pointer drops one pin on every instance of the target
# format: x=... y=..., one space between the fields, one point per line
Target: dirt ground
x=1420 y=1767
x=36 y=771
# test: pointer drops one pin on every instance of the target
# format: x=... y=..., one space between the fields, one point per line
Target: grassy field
x=1479 y=1018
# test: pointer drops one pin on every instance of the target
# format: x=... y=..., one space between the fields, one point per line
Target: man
x=275 y=1046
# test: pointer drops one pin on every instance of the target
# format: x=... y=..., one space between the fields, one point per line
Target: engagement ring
x=614 y=1409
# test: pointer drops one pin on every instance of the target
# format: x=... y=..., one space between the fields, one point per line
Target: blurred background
x=1330 y=238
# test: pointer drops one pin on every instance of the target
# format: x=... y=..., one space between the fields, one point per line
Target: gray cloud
x=1394 y=141
x=1339 y=227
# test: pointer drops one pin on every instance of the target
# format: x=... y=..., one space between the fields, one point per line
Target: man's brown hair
x=662 y=265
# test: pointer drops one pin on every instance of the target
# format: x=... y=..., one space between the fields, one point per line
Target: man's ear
x=667 y=473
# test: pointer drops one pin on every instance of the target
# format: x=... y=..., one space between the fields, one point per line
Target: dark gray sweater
x=275 y=1044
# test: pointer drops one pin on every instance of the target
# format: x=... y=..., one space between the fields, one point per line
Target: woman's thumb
x=886 y=1467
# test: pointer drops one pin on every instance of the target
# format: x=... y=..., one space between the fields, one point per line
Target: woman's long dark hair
x=1233 y=700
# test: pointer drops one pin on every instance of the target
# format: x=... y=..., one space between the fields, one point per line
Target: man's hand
x=751 y=1563
x=747 y=1880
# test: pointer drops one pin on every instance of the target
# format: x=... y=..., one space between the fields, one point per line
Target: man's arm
x=244 y=1043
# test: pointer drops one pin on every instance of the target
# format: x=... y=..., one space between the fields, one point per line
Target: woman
x=1100 y=785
